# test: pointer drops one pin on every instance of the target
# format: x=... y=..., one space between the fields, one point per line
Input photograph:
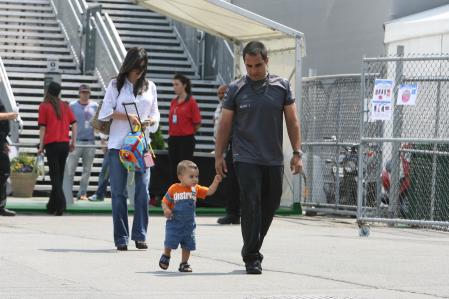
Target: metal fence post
x=397 y=133
x=434 y=156
x=360 y=162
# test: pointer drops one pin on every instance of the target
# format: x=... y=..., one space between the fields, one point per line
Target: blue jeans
x=118 y=180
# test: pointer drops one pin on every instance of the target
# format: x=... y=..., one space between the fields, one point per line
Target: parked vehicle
x=404 y=183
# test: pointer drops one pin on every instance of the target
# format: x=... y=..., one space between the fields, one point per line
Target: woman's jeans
x=118 y=180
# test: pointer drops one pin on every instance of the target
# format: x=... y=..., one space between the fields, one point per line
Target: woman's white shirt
x=113 y=101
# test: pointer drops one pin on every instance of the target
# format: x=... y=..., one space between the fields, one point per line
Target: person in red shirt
x=184 y=120
x=55 y=118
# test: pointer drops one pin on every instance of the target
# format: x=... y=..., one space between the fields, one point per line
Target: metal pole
x=434 y=156
x=360 y=162
x=237 y=56
x=397 y=132
x=297 y=190
x=337 y=151
x=311 y=134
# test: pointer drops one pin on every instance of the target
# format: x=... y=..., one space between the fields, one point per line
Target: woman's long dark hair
x=136 y=58
x=55 y=103
x=185 y=81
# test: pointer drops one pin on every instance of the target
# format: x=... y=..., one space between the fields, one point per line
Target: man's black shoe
x=229 y=219
x=122 y=247
x=253 y=267
x=6 y=212
x=141 y=245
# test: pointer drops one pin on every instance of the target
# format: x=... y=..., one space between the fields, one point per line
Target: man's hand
x=220 y=167
x=71 y=147
x=296 y=164
x=6 y=148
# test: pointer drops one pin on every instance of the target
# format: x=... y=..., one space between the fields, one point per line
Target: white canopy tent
x=424 y=32
x=219 y=18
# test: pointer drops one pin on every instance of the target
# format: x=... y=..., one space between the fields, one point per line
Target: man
x=84 y=110
x=230 y=183
x=5 y=165
x=253 y=108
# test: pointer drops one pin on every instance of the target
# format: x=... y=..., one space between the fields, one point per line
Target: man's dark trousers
x=4 y=174
x=260 y=196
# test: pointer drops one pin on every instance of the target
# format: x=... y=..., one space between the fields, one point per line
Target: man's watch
x=298 y=152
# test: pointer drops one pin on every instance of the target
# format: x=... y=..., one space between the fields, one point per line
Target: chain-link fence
x=330 y=120
x=404 y=145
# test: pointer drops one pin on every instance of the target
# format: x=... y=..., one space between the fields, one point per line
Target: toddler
x=179 y=208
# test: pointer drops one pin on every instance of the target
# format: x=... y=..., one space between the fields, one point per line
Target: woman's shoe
x=141 y=245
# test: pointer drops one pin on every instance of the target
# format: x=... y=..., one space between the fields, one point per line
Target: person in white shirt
x=130 y=86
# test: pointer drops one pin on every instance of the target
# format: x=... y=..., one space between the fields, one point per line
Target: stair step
x=25 y=7
x=37 y=70
x=64 y=77
x=53 y=36
x=120 y=6
x=154 y=28
x=35 y=15
x=19 y=20
x=31 y=28
x=35 y=2
x=34 y=42
x=47 y=50
x=158 y=48
x=36 y=63
x=135 y=14
x=160 y=41
x=35 y=56
x=146 y=21
x=146 y=34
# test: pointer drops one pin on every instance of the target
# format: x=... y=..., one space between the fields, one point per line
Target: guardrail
x=9 y=101
x=69 y=15
x=94 y=40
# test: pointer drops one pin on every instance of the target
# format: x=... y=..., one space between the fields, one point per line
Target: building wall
x=338 y=32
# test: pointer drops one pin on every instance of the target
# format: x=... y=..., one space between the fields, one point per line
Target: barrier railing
x=95 y=41
x=9 y=101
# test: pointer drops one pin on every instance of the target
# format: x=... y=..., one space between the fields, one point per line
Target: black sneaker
x=6 y=212
x=229 y=219
x=253 y=267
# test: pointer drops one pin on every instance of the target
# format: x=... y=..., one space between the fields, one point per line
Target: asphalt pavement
x=73 y=256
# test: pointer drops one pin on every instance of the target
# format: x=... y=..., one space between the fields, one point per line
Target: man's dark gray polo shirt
x=258 y=118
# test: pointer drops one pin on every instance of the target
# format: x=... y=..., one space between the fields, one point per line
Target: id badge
x=175 y=119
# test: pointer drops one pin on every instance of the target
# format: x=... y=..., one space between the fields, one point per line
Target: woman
x=184 y=120
x=55 y=118
x=130 y=86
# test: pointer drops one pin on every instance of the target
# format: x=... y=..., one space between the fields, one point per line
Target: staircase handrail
x=69 y=15
x=8 y=100
x=115 y=36
x=109 y=51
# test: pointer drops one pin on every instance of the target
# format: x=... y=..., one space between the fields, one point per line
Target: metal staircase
x=140 y=27
x=29 y=34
